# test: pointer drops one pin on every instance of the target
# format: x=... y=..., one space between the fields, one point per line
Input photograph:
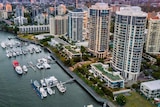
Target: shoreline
x=95 y=96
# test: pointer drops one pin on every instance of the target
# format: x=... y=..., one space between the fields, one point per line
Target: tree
x=121 y=100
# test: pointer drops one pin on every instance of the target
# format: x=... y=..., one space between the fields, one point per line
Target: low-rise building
x=3 y=14
x=151 y=89
x=34 y=29
x=72 y=51
x=20 y=20
x=112 y=79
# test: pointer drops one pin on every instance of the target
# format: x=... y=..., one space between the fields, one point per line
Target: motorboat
x=43 y=83
x=39 y=66
x=49 y=90
x=9 y=54
x=36 y=83
x=24 y=68
x=46 y=66
x=51 y=81
x=43 y=92
x=61 y=87
x=19 y=70
x=42 y=60
x=15 y=63
x=14 y=54
x=3 y=45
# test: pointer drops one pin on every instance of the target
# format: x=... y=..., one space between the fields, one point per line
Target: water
x=16 y=91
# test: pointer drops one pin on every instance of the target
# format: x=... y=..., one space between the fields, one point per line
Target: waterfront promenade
x=88 y=89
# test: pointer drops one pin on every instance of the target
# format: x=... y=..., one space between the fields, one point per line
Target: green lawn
x=136 y=100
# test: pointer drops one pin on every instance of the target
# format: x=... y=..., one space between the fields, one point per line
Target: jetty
x=31 y=66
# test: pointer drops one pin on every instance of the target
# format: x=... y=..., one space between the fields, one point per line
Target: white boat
x=3 y=45
x=19 y=70
x=36 y=83
x=39 y=66
x=61 y=87
x=24 y=68
x=43 y=83
x=20 y=52
x=51 y=81
x=43 y=92
x=9 y=54
x=42 y=60
x=46 y=65
x=49 y=90
x=17 y=52
x=14 y=53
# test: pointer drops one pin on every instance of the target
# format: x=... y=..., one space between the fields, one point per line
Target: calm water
x=16 y=91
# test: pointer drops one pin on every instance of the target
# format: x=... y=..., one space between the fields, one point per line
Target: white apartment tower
x=99 y=28
x=130 y=23
x=153 y=36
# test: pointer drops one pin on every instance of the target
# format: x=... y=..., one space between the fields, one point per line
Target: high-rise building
x=61 y=9
x=99 y=29
x=19 y=11
x=153 y=36
x=130 y=24
x=59 y=25
x=75 y=25
x=8 y=7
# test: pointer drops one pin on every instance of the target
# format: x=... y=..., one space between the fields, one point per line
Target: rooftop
x=152 y=85
x=131 y=11
x=105 y=72
x=77 y=10
x=72 y=49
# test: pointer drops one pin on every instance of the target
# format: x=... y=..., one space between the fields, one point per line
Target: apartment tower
x=99 y=28
x=153 y=36
x=130 y=24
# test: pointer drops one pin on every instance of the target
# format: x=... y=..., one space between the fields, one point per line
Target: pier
x=31 y=65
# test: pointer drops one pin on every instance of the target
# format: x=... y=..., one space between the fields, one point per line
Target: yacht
x=36 y=83
x=46 y=65
x=49 y=90
x=43 y=83
x=51 y=81
x=3 y=45
x=15 y=63
x=19 y=70
x=61 y=87
x=43 y=92
x=39 y=66
x=24 y=68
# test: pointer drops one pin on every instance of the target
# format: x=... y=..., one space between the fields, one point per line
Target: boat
x=24 y=68
x=43 y=83
x=51 y=81
x=49 y=90
x=3 y=45
x=14 y=53
x=43 y=92
x=61 y=87
x=19 y=70
x=36 y=89
x=9 y=54
x=36 y=83
x=15 y=63
x=39 y=66
x=88 y=105
x=46 y=65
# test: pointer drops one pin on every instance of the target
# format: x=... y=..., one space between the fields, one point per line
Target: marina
x=46 y=84
x=17 y=91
